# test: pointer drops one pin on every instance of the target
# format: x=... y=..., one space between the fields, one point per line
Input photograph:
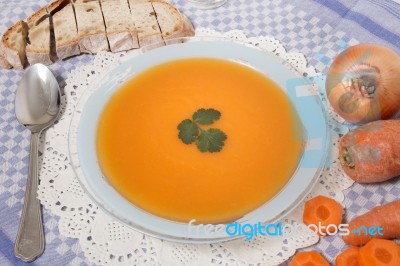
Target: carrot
x=371 y=153
x=349 y=257
x=323 y=211
x=386 y=216
x=379 y=252
x=309 y=258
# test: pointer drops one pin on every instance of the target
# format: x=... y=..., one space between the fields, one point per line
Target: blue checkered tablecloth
x=317 y=28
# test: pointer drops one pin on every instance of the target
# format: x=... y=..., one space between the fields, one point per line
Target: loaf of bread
x=70 y=27
x=65 y=31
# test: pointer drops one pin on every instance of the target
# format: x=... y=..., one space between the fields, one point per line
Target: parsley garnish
x=211 y=140
x=206 y=116
x=188 y=131
x=207 y=140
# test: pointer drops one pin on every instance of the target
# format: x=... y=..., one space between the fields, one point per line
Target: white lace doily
x=107 y=241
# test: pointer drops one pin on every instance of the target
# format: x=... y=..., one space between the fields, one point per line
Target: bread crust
x=4 y=63
x=37 y=17
x=183 y=29
x=14 y=57
x=121 y=41
x=35 y=57
x=188 y=28
x=152 y=39
x=93 y=43
x=53 y=6
x=68 y=50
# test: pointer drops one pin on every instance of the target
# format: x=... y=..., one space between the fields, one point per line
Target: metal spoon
x=37 y=104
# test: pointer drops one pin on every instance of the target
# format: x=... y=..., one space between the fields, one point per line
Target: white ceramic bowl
x=84 y=124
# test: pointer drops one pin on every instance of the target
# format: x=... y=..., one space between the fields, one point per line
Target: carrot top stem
x=348 y=159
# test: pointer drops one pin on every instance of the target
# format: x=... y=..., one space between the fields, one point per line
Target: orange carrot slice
x=379 y=252
x=309 y=258
x=324 y=211
x=348 y=257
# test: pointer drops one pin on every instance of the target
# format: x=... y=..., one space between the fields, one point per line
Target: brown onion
x=363 y=83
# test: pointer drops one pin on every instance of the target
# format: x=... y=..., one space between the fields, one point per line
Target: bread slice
x=172 y=23
x=146 y=23
x=120 y=28
x=65 y=31
x=38 y=49
x=92 y=36
x=4 y=63
x=13 y=44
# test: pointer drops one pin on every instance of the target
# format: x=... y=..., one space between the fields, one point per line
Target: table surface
x=317 y=28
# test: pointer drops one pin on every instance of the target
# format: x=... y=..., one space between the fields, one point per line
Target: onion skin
x=371 y=152
x=363 y=83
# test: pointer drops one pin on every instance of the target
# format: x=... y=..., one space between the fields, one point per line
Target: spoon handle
x=29 y=243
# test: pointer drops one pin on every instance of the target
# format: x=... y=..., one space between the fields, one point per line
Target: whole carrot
x=386 y=216
x=371 y=153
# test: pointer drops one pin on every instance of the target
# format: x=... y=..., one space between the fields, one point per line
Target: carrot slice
x=324 y=211
x=379 y=252
x=309 y=258
x=348 y=257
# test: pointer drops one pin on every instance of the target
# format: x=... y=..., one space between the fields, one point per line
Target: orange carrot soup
x=199 y=138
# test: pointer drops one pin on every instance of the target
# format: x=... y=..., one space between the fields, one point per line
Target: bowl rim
x=76 y=163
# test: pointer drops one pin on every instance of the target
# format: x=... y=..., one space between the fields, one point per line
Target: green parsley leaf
x=188 y=131
x=211 y=140
x=206 y=116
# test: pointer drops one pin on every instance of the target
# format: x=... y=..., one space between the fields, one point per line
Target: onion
x=363 y=83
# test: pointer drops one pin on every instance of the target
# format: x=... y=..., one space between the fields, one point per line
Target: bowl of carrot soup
x=195 y=133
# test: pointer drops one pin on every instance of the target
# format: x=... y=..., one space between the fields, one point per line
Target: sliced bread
x=172 y=23
x=146 y=23
x=13 y=44
x=38 y=49
x=65 y=31
x=3 y=62
x=92 y=36
x=120 y=28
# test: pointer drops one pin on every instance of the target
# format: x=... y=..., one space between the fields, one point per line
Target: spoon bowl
x=37 y=105
x=37 y=101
